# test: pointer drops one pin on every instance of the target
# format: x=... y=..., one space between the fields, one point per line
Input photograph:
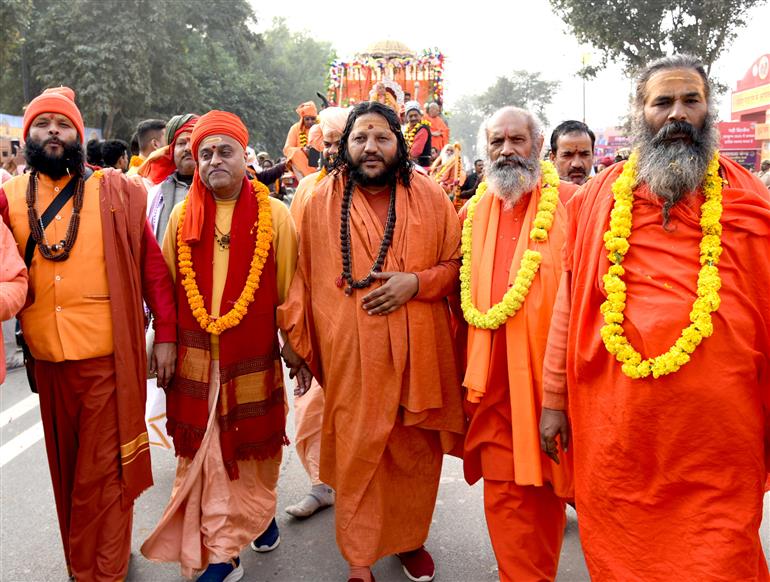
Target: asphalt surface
x=30 y=545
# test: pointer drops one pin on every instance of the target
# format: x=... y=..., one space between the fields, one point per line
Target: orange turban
x=159 y=165
x=333 y=119
x=315 y=138
x=59 y=100
x=307 y=109
x=219 y=123
x=213 y=123
x=329 y=119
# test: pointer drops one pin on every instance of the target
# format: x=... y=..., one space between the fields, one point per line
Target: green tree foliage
x=298 y=65
x=129 y=60
x=520 y=89
x=635 y=32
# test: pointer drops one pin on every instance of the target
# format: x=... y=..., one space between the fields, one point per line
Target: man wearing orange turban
x=89 y=270
x=308 y=407
x=233 y=251
x=297 y=148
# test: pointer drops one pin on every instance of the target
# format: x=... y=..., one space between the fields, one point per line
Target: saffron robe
x=294 y=154
x=393 y=399
x=669 y=472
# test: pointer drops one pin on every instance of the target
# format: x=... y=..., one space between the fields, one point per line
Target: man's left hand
x=397 y=290
x=163 y=362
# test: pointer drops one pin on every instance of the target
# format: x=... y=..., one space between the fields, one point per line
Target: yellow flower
x=264 y=238
x=709 y=281
x=514 y=298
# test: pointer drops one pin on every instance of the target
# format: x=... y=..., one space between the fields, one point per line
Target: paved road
x=30 y=547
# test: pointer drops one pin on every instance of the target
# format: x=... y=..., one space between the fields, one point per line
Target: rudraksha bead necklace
x=61 y=250
x=387 y=239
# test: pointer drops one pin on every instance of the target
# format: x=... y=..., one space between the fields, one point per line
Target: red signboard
x=737 y=135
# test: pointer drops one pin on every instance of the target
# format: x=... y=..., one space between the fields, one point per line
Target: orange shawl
x=525 y=333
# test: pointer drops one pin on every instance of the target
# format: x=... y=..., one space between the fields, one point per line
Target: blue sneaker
x=269 y=539
x=223 y=572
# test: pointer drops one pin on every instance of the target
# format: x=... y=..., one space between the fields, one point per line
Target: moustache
x=372 y=158
x=512 y=161
x=676 y=130
x=53 y=140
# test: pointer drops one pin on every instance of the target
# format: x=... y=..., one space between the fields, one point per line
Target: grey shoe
x=320 y=496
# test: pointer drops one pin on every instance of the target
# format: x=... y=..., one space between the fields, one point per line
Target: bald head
x=510 y=130
x=511 y=140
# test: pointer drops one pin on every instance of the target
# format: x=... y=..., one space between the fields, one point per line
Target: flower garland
x=302 y=139
x=530 y=262
x=410 y=133
x=264 y=227
x=709 y=281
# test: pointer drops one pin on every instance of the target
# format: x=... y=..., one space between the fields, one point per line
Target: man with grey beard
x=523 y=491
x=659 y=341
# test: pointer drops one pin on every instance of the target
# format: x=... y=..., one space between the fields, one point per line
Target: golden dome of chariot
x=387 y=49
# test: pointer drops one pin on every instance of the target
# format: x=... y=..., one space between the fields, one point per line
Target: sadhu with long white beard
x=513 y=231
x=666 y=358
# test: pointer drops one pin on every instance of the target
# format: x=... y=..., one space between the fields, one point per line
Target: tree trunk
x=109 y=122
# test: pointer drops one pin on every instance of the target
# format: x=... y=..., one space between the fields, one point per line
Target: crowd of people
x=576 y=334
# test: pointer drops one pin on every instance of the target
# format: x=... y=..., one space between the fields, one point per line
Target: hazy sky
x=489 y=39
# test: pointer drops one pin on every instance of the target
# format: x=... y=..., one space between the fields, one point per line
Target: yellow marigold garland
x=709 y=281
x=302 y=139
x=409 y=136
x=264 y=226
x=530 y=262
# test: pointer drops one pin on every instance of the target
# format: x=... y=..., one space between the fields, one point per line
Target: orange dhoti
x=526 y=522
x=210 y=518
x=80 y=420
x=308 y=416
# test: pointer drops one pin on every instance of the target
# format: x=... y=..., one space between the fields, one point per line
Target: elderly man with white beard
x=513 y=231
x=659 y=342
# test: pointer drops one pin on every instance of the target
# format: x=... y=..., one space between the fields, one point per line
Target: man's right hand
x=552 y=423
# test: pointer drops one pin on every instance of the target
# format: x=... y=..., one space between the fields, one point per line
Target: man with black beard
x=659 y=342
x=523 y=491
x=367 y=313
x=92 y=258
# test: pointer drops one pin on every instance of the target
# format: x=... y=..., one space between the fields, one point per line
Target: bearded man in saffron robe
x=660 y=335
x=524 y=492
x=370 y=318
x=89 y=269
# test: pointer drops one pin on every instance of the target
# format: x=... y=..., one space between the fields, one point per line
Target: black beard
x=70 y=161
x=387 y=177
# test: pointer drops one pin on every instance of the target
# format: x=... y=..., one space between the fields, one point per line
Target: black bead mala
x=387 y=238
x=61 y=250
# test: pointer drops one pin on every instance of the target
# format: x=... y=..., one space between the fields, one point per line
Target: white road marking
x=20 y=443
x=19 y=409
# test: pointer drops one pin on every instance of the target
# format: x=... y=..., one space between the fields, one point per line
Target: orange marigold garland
x=264 y=226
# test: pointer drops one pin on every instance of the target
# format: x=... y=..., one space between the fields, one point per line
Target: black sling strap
x=53 y=209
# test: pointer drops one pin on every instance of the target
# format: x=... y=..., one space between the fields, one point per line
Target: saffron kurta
x=669 y=472
x=393 y=399
x=91 y=373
